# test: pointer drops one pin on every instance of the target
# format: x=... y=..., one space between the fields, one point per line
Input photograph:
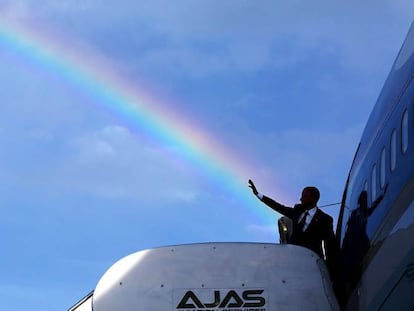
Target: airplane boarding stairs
x=214 y=277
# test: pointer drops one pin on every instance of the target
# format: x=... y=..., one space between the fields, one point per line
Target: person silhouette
x=311 y=227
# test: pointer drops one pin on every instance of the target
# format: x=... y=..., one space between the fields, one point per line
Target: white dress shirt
x=309 y=216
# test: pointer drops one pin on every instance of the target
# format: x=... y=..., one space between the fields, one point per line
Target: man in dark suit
x=312 y=228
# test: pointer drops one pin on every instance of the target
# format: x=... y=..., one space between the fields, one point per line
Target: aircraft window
x=374 y=183
x=393 y=150
x=382 y=168
x=404 y=132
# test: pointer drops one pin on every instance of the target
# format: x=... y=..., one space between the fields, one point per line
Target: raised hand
x=251 y=185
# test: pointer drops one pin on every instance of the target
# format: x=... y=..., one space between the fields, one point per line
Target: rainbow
x=134 y=108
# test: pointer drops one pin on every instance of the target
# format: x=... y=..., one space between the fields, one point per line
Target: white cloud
x=101 y=143
x=107 y=163
x=92 y=148
x=114 y=163
x=185 y=196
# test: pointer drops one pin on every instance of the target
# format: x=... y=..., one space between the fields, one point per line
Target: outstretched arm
x=276 y=206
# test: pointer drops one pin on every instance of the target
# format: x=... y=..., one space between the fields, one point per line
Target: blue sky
x=284 y=86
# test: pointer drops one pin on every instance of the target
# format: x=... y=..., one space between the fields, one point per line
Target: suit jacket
x=319 y=231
